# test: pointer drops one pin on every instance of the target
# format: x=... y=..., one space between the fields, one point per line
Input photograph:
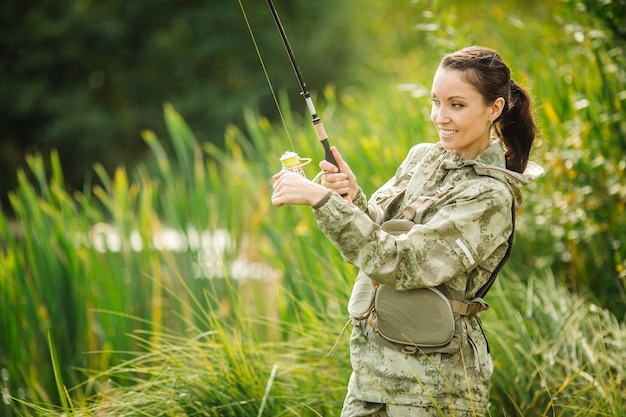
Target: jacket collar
x=491 y=162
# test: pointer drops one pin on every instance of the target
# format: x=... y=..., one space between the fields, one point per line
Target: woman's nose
x=440 y=116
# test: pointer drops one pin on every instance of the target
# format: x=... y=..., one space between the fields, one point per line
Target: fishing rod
x=316 y=120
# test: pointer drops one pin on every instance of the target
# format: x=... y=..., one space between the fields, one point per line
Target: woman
x=460 y=195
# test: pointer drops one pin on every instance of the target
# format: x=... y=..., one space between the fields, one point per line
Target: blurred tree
x=86 y=76
x=612 y=14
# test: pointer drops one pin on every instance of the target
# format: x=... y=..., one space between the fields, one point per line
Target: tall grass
x=555 y=353
x=175 y=288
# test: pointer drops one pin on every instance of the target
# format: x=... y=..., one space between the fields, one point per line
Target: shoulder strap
x=485 y=288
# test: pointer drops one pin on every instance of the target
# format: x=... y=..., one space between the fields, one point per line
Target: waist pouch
x=414 y=320
x=420 y=320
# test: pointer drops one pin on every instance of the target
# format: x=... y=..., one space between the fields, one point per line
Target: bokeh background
x=143 y=270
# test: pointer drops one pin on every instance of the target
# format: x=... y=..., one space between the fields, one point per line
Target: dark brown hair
x=486 y=71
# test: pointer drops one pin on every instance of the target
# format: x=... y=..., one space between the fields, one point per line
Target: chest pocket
x=386 y=202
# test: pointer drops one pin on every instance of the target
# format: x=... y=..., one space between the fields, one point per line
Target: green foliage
x=85 y=77
x=214 y=352
x=555 y=353
x=175 y=287
x=610 y=14
x=583 y=146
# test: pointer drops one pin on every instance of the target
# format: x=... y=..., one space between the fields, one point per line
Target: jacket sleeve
x=415 y=153
x=458 y=238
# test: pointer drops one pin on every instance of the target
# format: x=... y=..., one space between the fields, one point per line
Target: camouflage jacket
x=458 y=240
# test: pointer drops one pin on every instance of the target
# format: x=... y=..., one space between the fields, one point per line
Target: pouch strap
x=472 y=342
x=469 y=309
x=416 y=210
x=339 y=339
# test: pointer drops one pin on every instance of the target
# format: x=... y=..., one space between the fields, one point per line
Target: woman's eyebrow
x=456 y=97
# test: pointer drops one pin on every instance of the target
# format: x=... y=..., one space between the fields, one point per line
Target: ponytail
x=517 y=129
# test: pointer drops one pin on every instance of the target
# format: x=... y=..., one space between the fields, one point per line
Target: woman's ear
x=496 y=108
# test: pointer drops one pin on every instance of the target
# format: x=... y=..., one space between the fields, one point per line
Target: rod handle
x=323 y=138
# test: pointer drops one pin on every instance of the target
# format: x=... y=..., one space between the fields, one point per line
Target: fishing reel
x=292 y=162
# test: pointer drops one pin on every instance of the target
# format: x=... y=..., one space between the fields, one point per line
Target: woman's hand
x=339 y=179
x=292 y=188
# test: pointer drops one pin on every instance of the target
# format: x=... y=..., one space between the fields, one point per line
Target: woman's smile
x=445 y=133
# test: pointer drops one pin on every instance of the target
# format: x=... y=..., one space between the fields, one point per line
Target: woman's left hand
x=339 y=178
x=292 y=188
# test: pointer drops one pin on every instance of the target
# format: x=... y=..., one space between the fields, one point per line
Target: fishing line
x=267 y=77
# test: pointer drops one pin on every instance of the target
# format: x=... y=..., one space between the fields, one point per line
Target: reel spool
x=292 y=162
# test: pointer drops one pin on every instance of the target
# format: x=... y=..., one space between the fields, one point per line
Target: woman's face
x=460 y=114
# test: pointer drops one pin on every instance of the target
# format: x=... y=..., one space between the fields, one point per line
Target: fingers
x=338 y=178
x=292 y=188
x=335 y=180
x=283 y=178
x=280 y=188
x=341 y=164
x=338 y=158
x=280 y=173
x=328 y=167
x=278 y=199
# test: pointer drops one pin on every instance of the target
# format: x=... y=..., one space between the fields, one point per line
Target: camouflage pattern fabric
x=457 y=241
x=357 y=408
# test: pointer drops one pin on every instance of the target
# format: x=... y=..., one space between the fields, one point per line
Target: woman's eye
x=457 y=105
x=434 y=101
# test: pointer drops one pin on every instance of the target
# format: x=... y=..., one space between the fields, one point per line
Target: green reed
x=239 y=330
x=555 y=353
x=136 y=327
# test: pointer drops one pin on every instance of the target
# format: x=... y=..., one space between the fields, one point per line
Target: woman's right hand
x=339 y=178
